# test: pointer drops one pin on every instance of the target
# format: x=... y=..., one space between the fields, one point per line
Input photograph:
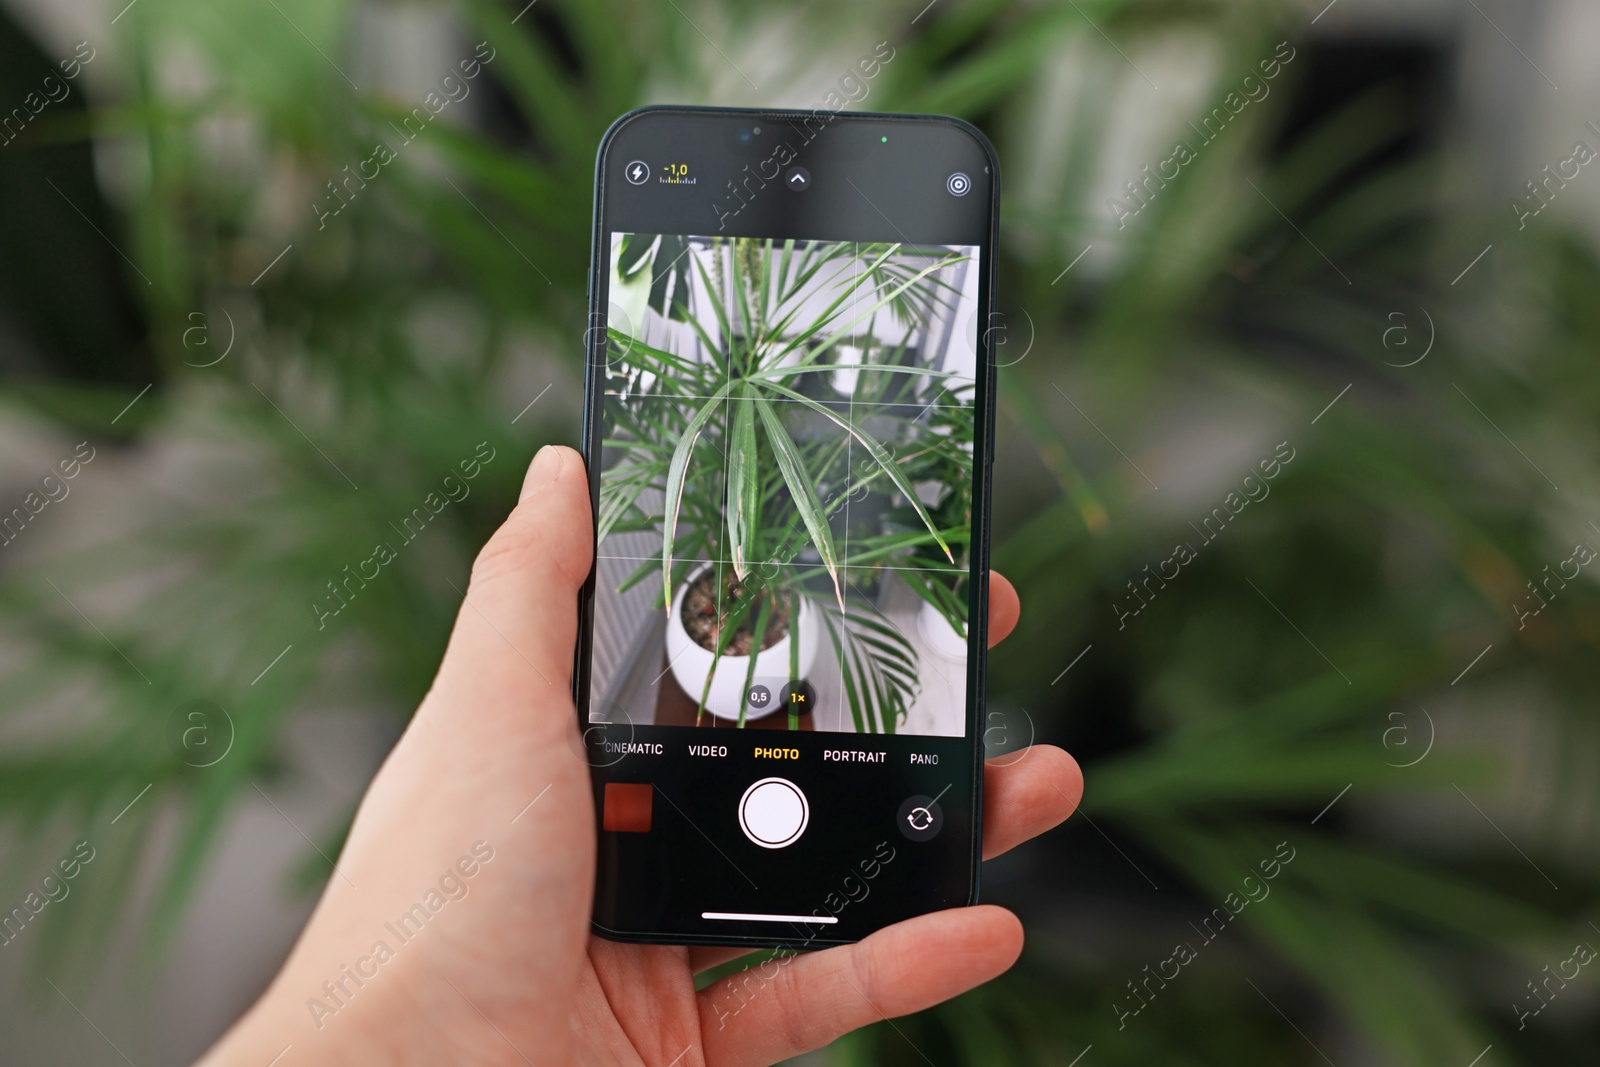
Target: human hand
x=482 y=817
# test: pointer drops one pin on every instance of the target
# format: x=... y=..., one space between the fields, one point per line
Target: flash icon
x=638 y=171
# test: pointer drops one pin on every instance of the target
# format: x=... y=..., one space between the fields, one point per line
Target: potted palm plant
x=775 y=443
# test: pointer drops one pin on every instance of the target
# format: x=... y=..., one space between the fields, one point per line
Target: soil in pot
x=704 y=623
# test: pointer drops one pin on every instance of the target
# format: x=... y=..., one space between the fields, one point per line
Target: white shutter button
x=773 y=813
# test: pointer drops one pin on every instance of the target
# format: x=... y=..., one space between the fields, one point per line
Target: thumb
x=518 y=623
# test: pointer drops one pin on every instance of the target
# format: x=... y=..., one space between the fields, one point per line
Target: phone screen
x=787 y=427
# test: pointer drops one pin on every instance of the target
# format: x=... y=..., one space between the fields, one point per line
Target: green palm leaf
x=806 y=502
x=879 y=454
x=675 y=484
x=744 y=486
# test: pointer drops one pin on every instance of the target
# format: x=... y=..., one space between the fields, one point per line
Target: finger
x=789 y=1006
x=518 y=620
x=1005 y=607
x=704 y=957
x=1024 y=794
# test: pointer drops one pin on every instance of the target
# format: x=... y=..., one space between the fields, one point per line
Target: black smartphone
x=788 y=425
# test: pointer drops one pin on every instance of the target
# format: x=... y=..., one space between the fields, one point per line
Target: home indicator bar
x=747 y=916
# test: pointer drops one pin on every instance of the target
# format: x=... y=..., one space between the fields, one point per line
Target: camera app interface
x=786 y=487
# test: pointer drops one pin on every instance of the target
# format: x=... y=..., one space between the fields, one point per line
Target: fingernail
x=545 y=469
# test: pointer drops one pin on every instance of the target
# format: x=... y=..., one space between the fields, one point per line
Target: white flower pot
x=943 y=639
x=691 y=664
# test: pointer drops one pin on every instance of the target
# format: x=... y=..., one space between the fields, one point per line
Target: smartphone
x=788 y=424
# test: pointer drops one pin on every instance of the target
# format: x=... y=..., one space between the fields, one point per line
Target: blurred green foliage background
x=1345 y=668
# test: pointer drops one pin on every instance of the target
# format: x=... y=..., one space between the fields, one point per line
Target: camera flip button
x=920 y=818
